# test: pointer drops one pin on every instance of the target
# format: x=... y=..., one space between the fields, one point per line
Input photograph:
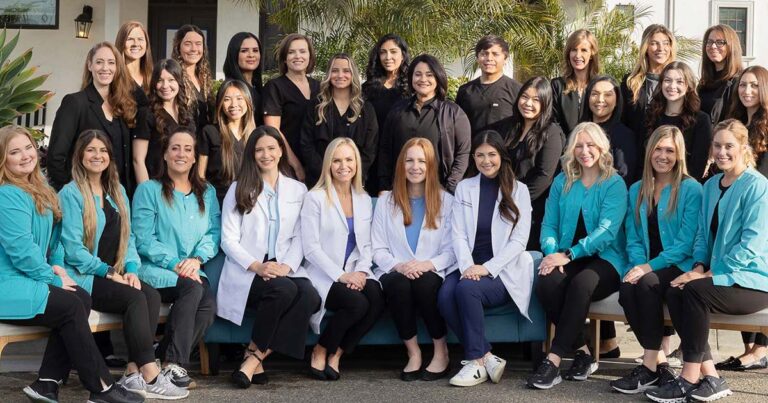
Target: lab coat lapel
x=339 y=210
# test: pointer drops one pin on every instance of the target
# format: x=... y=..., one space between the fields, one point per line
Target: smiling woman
x=133 y=43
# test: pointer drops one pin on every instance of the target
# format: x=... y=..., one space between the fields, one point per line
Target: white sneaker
x=134 y=383
x=164 y=389
x=470 y=375
x=495 y=367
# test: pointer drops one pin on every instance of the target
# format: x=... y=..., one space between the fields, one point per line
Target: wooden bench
x=610 y=309
x=98 y=321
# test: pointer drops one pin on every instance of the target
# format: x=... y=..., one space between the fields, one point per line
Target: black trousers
x=643 y=305
x=70 y=343
x=354 y=313
x=407 y=298
x=283 y=307
x=691 y=306
x=754 y=338
x=566 y=298
x=140 y=310
x=193 y=310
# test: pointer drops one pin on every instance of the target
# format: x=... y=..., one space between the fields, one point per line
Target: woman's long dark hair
x=375 y=73
x=534 y=139
x=199 y=185
x=507 y=207
x=231 y=66
x=249 y=182
x=156 y=103
x=658 y=104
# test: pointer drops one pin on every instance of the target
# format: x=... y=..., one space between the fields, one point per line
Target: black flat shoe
x=730 y=364
x=331 y=374
x=317 y=374
x=759 y=364
x=433 y=376
x=615 y=353
x=260 y=379
x=240 y=380
x=410 y=375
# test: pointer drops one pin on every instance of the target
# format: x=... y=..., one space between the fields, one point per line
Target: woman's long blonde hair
x=637 y=77
x=679 y=171
x=574 y=39
x=432 y=195
x=571 y=165
x=326 y=91
x=34 y=184
x=326 y=179
x=110 y=184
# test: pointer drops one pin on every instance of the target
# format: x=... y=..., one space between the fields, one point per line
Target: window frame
x=749 y=5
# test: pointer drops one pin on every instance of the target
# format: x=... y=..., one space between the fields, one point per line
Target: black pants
x=140 y=310
x=283 y=307
x=691 y=306
x=566 y=298
x=407 y=297
x=643 y=305
x=193 y=310
x=354 y=313
x=70 y=343
x=758 y=339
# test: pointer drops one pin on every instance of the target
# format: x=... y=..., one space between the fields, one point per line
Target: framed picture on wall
x=29 y=14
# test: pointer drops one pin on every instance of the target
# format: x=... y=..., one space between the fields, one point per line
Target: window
x=627 y=9
x=739 y=16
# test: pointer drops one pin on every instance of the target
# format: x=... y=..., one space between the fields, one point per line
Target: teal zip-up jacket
x=677 y=229
x=739 y=252
x=25 y=270
x=603 y=206
x=166 y=234
x=81 y=263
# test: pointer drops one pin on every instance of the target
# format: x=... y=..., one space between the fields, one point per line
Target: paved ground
x=370 y=375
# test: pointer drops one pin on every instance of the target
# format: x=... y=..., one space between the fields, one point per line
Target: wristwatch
x=110 y=273
x=569 y=254
x=198 y=258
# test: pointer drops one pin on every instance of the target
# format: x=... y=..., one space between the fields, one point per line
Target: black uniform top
x=716 y=98
x=78 y=112
x=210 y=146
x=140 y=96
x=201 y=109
x=565 y=107
x=482 y=251
x=697 y=141
x=654 y=235
x=634 y=112
x=146 y=129
x=403 y=124
x=110 y=237
x=488 y=105
x=364 y=131
x=624 y=150
x=283 y=98
x=382 y=99
x=715 y=222
x=581 y=229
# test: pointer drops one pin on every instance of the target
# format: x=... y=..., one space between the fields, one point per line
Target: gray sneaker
x=135 y=383
x=164 y=389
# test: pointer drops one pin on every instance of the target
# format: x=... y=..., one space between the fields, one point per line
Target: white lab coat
x=510 y=261
x=245 y=239
x=324 y=234
x=390 y=245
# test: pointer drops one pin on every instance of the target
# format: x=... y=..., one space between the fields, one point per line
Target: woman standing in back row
x=191 y=51
x=581 y=63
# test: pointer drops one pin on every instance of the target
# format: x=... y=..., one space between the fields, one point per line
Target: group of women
x=143 y=157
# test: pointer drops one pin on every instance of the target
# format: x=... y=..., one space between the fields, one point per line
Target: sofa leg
x=214 y=354
x=594 y=329
x=204 y=359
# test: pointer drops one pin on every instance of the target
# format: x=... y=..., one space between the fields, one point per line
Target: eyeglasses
x=718 y=43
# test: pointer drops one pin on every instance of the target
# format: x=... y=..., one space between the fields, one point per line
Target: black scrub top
x=210 y=146
x=146 y=129
x=488 y=105
x=110 y=237
x=283 y=98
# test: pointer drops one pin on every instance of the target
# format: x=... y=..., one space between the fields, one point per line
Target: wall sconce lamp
x=83 y=23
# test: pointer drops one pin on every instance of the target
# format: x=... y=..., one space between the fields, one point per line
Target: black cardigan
x=364 y=131
x=634 y=113
x=565 y=107
x=716 y=98
x=78 y=112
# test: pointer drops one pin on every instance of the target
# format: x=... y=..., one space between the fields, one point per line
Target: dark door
x=166 y=16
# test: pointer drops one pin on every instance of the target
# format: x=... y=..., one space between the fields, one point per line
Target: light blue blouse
x=677 y=228
x=167 y=233
x=25 y=272
x=81 y=263
x=418 y=210
x=603 y=206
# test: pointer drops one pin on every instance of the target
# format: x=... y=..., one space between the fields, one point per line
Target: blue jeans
x=461 y=302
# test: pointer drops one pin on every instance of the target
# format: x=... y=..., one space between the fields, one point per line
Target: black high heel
x=318 y=374
x=241 y=380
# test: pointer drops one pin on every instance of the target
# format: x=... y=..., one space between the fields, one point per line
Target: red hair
x=432 y=188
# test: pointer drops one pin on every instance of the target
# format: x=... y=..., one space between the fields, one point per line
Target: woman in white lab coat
x=261 y=236
x=490 y=225
x=336 y=237
x=411 y=238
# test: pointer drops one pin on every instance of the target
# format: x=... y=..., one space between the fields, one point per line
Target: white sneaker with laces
x=470 y=375
x=164 y=389
x=135 y=383
x=495 y=367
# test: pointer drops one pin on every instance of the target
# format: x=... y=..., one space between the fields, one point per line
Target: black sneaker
x=546 y=376
x=665 y=373
x=671 y=392
x=582 y=367
x=710 y=389
x=640 y=379
x=43 y=391
x=115 y=394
